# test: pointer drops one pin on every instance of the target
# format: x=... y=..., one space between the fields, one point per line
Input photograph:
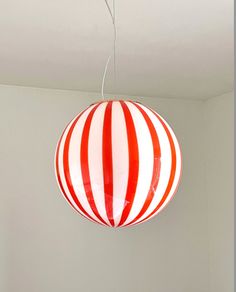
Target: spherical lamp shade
x=118 y=163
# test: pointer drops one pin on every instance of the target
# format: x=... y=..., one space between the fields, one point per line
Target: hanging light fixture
x=118 y=163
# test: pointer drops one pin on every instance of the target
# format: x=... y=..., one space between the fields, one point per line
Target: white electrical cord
x=112 y=14
x=104 y=76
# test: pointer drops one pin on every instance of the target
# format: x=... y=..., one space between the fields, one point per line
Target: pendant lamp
x=118 y=163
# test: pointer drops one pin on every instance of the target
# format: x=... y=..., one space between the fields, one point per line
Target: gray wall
x=219 y=113
x=46 y=246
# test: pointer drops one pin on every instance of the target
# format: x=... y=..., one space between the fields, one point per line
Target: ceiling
x=165 y=48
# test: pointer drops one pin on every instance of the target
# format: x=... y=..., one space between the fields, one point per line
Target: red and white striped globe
x=118 y=163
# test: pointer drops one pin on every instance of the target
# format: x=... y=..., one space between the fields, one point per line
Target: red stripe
x=67 y=170
x=133 y=163
x=172 y=172
x=107 y=162
x=59 y=177
x=85 y=164
x=156 y=164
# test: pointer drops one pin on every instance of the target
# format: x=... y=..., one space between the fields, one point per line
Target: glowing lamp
x=118 y=163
